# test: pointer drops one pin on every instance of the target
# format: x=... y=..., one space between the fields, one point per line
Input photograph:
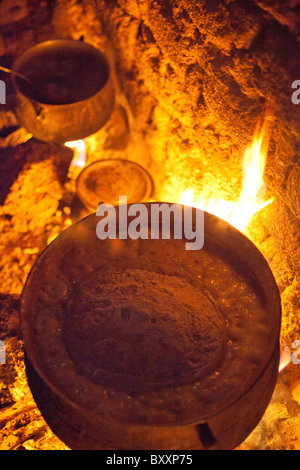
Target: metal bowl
x=72 y=95
x=141 y=344
x=106 y=180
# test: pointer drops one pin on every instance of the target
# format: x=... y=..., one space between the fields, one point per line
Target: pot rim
x=61 y=42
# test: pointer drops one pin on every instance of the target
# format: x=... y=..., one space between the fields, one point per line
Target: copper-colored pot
x=141 y=344
x=72 y=94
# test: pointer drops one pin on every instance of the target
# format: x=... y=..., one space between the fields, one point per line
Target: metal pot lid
x=107 y=180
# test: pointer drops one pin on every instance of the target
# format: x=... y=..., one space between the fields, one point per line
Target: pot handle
x=38 y=109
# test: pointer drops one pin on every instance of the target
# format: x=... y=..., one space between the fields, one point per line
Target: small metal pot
x=72 y=94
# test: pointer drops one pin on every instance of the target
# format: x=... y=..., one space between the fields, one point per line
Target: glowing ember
x=79 y=148
x=239 y=213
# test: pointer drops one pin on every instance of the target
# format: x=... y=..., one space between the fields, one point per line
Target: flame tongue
x=79 y=147
x=239 y=213
x=285 y=358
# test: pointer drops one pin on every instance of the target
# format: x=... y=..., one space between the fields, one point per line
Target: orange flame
x=79 y=147
x=78 y=162
x=285 y=358
x=240 y=213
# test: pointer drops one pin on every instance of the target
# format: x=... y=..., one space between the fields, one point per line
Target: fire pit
x=141 y=344
x=191 y=81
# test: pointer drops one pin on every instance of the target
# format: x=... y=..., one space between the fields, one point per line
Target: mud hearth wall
x=193 y=78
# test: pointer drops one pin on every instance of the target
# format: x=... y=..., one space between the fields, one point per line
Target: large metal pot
x=72 y=94
x=141 y=344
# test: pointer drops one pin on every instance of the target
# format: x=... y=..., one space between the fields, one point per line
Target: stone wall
x=196 y=76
